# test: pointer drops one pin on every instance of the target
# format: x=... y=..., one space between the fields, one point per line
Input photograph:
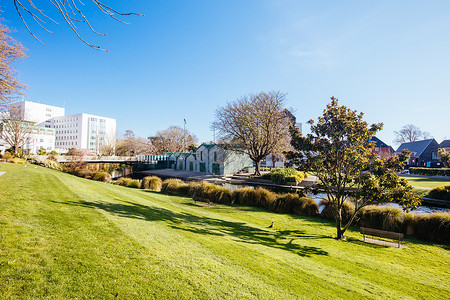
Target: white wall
x=40 y=113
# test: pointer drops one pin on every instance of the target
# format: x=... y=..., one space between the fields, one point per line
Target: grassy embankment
x=67 y=237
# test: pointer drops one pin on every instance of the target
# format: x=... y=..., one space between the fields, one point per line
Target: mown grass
x=427 y=182
x=68 y=237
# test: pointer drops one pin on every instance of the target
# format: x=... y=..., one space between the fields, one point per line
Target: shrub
x=253 y=197
x=128 y=182
x=383 y=217
x=52 y=164
x=102 y=176
x=151 y=183
x=221 y=194
x=347 y=210
x=16 y=160
x=7 y=156
x=175 y=187
x=294 y=204
x=432 y=227
x=441 y=193
x=88 y=174
x=204 y=191
x=430 y=171
x=42 y=151
x=285 y=175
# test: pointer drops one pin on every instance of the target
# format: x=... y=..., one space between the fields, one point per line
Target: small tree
x=254 y=125
x=445 y=157
x=338 y=153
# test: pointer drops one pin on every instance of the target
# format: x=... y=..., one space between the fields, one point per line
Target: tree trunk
x=340 y=232
x=274 y=160
x=257 y=168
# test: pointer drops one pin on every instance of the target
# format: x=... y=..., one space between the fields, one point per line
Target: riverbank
x=68 y=237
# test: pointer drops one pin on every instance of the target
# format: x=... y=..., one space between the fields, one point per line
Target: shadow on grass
x=288 y=240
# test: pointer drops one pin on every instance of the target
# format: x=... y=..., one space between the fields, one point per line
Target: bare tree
x=15 y=129
x=410 y=133
x=131 y=145
x=253 y=125
x=172 y=139
x=70 y=11
x=10 y=52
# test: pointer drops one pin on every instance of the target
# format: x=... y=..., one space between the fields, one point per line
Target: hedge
x=430 y=171
x=285 y=175
x=440 y=193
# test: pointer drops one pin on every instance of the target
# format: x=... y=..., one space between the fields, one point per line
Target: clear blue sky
x=389 y=59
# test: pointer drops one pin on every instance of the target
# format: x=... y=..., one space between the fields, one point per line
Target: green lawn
x=422 y=185
x=427 y=182
x=66 y=237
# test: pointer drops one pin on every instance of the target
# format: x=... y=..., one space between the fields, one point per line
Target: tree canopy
x=337 y=151
x=173 y=139
x=254 y=125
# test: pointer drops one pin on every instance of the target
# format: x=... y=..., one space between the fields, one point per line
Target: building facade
x=80 y=131
x=83 y=131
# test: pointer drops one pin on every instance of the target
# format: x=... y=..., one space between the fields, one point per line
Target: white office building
x=80 y=131
x=83 y=131
x=40 y=113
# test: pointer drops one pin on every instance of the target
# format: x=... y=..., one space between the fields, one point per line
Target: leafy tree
x=254 y=125
x=410 y=133
x=192 y=147
x=42 y=151
x=172 y=139
x=71 y=12
x=10 y=52
x=337 y=152
x=445 y=157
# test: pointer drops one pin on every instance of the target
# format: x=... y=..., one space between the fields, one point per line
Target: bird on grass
x=270 y=226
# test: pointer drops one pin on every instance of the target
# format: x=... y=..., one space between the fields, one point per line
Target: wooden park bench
x=395 y=236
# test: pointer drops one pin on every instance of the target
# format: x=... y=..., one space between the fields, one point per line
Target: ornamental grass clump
x=221 y=195
x=259 y=197
x=153 y=183
x=383 y=217
x=440 y=192
x=175 y=187
x=208 y=192
x=294 y=204
x=432 y=227
x=348 y=209
x=128 y=182
x=102 y=176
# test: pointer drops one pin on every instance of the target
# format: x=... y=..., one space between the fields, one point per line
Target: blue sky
x=388 y=59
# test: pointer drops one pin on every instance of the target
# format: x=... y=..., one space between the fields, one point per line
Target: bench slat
x=382 y=233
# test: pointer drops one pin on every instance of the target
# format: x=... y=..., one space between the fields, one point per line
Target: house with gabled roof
x=381 y=148
x=423 y=153
x=445 y=145
x=215 y=159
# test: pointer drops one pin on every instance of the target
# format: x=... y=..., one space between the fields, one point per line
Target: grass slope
x=66 y=237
